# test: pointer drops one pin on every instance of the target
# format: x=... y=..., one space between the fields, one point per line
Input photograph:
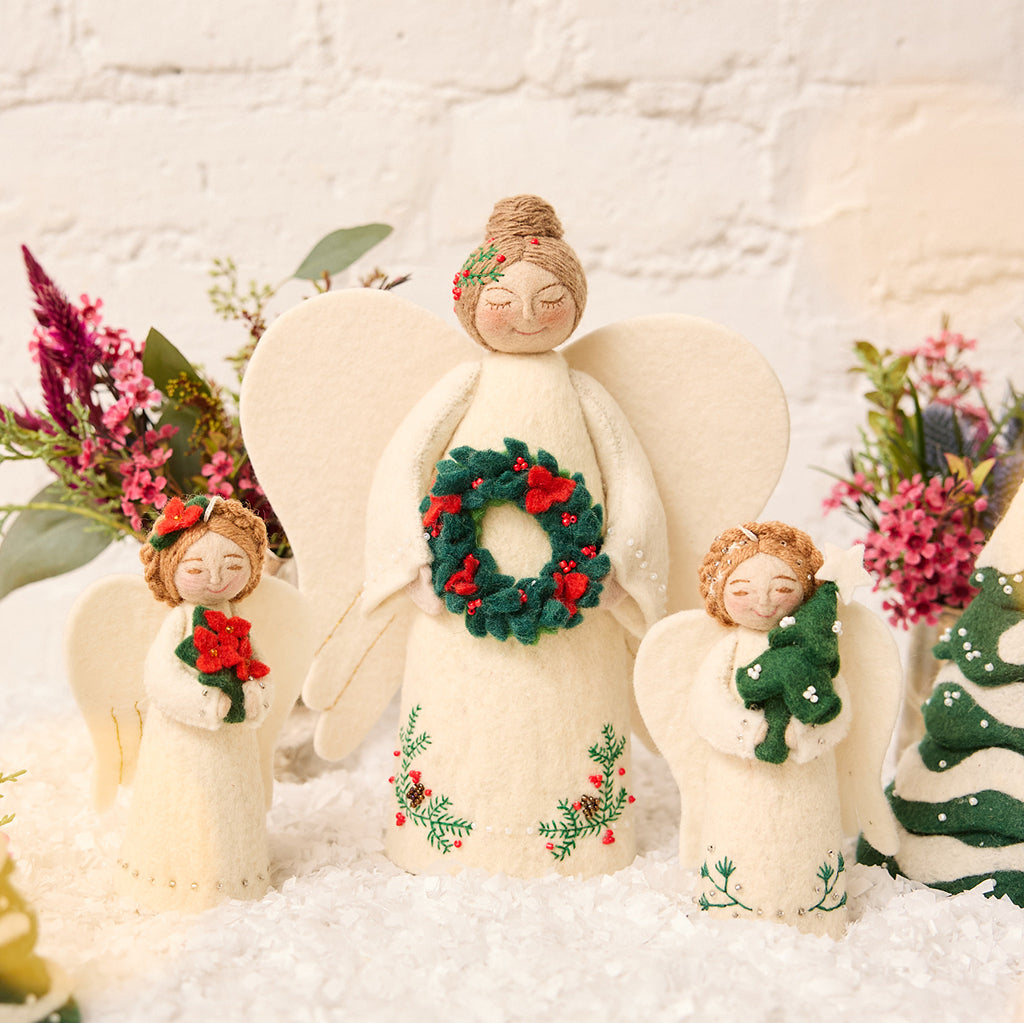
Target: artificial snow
x=345 y=935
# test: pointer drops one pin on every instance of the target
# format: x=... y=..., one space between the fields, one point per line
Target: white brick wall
x=805 y=171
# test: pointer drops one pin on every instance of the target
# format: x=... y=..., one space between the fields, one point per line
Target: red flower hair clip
x=178 y=516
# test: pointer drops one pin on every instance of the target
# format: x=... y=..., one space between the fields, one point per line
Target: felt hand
x=718 y=716
x=257 y=695
x=421 y=593
x=806 y=742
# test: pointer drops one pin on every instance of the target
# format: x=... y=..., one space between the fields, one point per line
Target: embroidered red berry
x=457 y=843
x=596 y=779
x=465 y=273
x=456 y=293
x=399 y=818
x=622 y=771
x=428 y=792
x=478 y=482
x=549 y=846
x=608 y=838
x=456 y=281
x=499 y=259
x=590 y=551
x=391 y=780
x=631 y=799
x=577 y=805
x=398 y=753
x=535 y=241
x=416 y=775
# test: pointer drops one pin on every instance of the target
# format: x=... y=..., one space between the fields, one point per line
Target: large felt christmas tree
x=959 y=794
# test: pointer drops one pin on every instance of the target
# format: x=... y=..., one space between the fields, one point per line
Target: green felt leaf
x=162 y=362
x=340 y=249
x=41 y=544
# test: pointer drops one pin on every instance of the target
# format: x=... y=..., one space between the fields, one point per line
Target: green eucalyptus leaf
x=41 y=544
x=162 y=362
x=339 y=250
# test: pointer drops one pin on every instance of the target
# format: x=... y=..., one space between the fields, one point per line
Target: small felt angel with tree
x=190 y=699
x=774 y=709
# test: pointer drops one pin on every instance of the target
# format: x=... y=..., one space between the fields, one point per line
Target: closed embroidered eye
x=498 y=305
x=549 y=303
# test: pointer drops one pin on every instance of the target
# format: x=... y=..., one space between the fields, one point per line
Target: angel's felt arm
x=174 y=687
x=396 y=548
x=636 y=538
x=806 y=742
x=870 y=663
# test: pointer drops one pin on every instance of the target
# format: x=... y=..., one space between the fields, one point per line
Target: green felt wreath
x=465 y=575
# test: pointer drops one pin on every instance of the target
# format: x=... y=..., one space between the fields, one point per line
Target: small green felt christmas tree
x=959 y=794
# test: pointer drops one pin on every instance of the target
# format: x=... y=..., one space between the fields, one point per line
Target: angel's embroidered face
x=527 y=310
x=213 y=571
x=761 y=591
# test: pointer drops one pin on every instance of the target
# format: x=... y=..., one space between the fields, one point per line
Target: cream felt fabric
x=1002 y=702
x=933 y=859
x=511 y=725
x=711 y=416
x=978 y=772
x=199 y=801
x=764 y=834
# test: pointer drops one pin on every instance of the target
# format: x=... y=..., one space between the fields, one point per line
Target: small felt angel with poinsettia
x=774 y=709
x=191 y=699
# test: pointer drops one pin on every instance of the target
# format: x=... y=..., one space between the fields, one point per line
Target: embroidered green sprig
x=416 y=803
x=469 y=274
x=589 y=815
x=726 y=868
x=830 y=878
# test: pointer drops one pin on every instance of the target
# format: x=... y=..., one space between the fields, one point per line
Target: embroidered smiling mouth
x=528 y=333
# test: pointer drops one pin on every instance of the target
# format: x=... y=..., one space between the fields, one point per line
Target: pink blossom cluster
x=946 y=380
x=219 y=471
x=846 y=492
x=925 y=547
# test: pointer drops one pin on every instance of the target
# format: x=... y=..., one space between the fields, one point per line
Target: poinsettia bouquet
x=935 y=470
x=126 y=425
x=221 y=652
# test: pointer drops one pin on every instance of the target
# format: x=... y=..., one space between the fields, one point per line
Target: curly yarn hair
x=735 y=545
x=229 y=518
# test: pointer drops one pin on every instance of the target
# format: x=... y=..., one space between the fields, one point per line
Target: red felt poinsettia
x=215 y=654
x=546 y=489
x=248 y=667
x=461 y=582
x=178 y=516
x=451 y=503
x=569 y=587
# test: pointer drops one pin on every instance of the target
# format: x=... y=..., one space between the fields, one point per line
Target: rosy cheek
x=492 y=320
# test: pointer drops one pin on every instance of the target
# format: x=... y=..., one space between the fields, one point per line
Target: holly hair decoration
x=178 y=516
x=466 y=576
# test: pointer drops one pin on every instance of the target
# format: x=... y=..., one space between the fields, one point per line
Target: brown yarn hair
x=514 y=224
x=732 y=547
x=229 y=518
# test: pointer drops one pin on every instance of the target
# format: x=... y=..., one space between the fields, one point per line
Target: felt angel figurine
x=774 y=710
x=516 y=543
x=188 y=704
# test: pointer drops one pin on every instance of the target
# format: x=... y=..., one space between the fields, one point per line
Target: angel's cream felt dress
x=515 y=757
x=770 y=835
x=197 y=832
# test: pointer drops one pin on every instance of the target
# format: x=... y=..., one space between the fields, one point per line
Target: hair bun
x=524 y=216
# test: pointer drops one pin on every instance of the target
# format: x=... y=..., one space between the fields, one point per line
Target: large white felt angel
x=774 y=709
x=189 y=703
x=517 y=545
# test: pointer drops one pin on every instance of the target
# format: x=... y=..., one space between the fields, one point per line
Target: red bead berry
x=622 y=771
x=577 y=806
x=457 y=843
x=595 y=780
x=428 y=792
x=391 y=780
x=399 y=818
x=535 y=241
x=478 y=482
x=465 y=273
x=456 y=280
x=416 y=775
x=522 y=596
x=590 y=551
x=398 y=753
x=609 y=838
x=549 y=846
x=471 y=607
x=631 y=799
x=456 y=293
x=499 y=259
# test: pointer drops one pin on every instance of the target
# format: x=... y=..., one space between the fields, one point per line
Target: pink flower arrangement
x=934 y=473
x=127 y=425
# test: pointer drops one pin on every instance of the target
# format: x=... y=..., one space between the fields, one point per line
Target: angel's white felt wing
x=870 y=663
x=711 y=416
x=107 y=635
x=328 y=385
x=282 y=630
x=663 y=678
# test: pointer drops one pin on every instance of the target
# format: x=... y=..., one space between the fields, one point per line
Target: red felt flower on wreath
x=546 y=489
x=461 y=582
x=569 y=587
x=451 y=503
x=178 y=516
